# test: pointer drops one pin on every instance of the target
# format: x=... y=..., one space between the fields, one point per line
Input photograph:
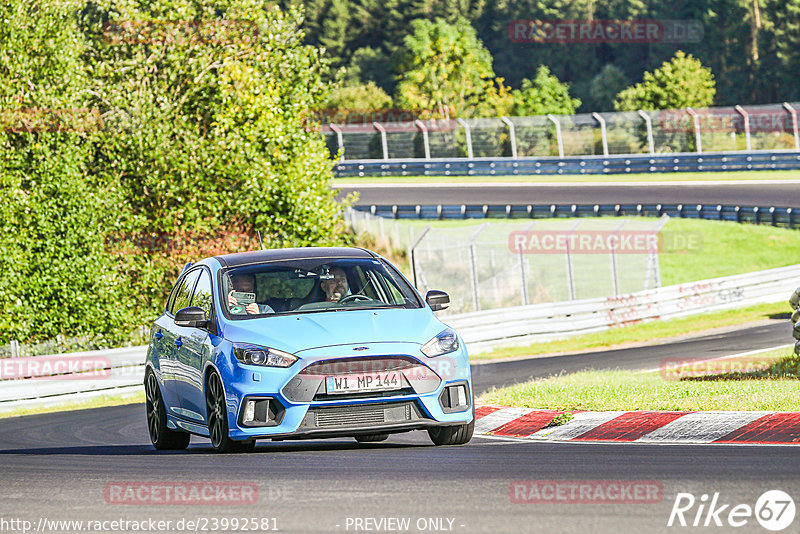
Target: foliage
x=55 y=275
x=605 y=86
x=751 y=46
x=445 y=71
x=361 y=97
x=679 y=83
x=207 y=135
x=545 y=94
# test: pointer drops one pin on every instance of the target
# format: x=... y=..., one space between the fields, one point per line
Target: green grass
x=576 y=178
x=643 y=332
x=723 y=248
x=777 y=388
x=692 y=249
x=97 y=402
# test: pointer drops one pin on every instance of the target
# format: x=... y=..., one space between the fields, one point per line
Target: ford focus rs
x=303 y=343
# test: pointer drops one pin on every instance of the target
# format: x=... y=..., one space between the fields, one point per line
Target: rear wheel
x=217 y=414
x=163 y=438
x=371 y=438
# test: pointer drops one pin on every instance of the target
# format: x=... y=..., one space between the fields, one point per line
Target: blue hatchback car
x=303 y=343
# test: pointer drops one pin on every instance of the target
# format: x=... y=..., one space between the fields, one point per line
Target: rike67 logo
x=774 y=510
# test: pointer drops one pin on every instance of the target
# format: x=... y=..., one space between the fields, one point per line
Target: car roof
x=278 y=254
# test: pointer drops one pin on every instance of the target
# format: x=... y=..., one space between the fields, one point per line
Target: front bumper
x=293 y=404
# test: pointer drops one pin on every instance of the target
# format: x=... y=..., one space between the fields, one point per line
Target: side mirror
x=437 y=300
x=191 y=317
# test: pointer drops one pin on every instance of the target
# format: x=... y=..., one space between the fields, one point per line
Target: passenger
x=245 y=283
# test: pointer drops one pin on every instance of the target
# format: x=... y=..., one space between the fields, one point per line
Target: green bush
x=208 y=135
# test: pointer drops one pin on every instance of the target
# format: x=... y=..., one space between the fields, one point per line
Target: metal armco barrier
x=43 y=380
x=767 y=215
x=124 y=368
x=625 y=164
x=545 y=322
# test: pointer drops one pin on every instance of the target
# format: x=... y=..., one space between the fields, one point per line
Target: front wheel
x=217 y=415
x=452 y=435
x=163 y=438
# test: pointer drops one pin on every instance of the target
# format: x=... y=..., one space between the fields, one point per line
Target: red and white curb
x=641 y=427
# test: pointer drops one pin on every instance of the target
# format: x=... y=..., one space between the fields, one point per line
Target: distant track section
x=624 y=164
x=768 y=215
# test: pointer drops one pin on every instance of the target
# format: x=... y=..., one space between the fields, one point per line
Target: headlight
x=446 y=341
x=256 y=355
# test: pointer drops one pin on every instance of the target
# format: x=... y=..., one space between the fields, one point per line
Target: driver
x=246 y=283
x=336 y=287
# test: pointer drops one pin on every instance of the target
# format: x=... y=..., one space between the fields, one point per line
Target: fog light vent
x=264 y=411
x=455 y=398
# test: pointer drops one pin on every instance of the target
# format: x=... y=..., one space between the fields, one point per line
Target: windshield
x=313 y=285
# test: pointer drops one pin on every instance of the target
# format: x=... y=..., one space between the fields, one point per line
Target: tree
x=678 y=83
x=605 y=86
x=360 y=97
x=785 y=61
x=445 y=71
x=545 y=94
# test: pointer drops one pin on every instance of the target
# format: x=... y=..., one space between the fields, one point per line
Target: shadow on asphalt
x=194 y=449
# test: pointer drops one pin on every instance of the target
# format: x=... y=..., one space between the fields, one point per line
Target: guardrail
x=545 y=322
x=617 y=164
x=767 y=215
x=54 y=379
x=42 y=380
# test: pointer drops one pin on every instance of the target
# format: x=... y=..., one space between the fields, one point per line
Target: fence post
x=425 y=142
x=614 y=270
x=384 y=144
x=649 y=123
x=339 y=140
x=14 y=348
x=696 y=119
x=603 y=131
x=559 y=139
x=411 y=247
x=473 y=271
x=793 y=113
x=512 y=135
x=746 y=118
x=468 y=133
x=523 y=277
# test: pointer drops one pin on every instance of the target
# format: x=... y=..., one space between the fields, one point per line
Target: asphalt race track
x=57 y=466
x=751 y=194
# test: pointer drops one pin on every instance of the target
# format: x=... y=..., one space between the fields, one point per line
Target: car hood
x=296 y=333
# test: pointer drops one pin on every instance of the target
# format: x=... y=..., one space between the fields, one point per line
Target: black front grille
x=362 y=415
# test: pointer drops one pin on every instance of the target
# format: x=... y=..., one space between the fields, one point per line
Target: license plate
x=363 y=382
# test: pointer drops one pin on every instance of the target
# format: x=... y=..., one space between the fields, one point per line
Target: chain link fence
x=492 y=265
x=738 y=128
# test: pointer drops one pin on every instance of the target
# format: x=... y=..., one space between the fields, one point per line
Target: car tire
x=217 y=416
x=162 y=438
x=371 y=438
x=453 y=435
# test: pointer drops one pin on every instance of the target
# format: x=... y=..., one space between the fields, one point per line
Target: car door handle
x=159 y=335
x=178 y=342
